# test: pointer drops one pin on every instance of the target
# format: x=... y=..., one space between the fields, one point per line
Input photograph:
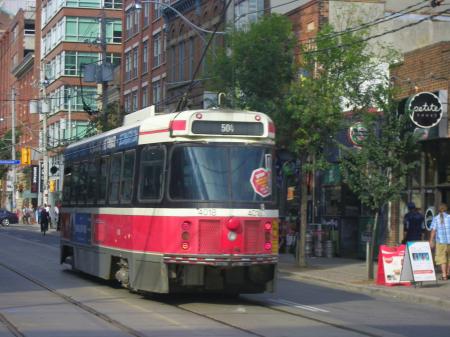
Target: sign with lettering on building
x=357 y=133
x=34 y=179
x=425 y=109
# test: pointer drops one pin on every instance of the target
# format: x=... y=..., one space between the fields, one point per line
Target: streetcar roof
x=173 y=126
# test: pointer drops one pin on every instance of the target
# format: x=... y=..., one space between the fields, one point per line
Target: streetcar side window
x=126 y=188
x=83 y=179
x=103 y=181
x=92 y=181
x=114 y=178
x=67 y=184
x=74 y=185
x=151 y=174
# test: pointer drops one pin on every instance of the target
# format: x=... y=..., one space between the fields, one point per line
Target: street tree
x=5 y=150
x=256 y=65
x=337 y=72
x=377 y=169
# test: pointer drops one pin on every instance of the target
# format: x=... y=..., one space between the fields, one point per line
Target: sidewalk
x=351 y=275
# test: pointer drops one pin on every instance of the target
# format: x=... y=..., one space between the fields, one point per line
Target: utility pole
x=103 y=45
x=13 y=147
x=45 y=111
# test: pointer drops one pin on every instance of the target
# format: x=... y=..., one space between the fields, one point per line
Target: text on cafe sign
x=425 y=109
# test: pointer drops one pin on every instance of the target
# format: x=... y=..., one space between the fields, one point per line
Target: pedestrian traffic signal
x=25 y=156
x=52 y=186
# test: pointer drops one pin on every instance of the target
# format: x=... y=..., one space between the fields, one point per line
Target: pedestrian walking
x=25 y=215
x=56 y=215
x=440 y=237
x=413 y=224
x=44 y=220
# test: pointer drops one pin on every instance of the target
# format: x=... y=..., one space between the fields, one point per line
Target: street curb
x=368 y=289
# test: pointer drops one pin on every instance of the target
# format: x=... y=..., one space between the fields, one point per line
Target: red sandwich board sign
x=260 y=181
x=390 y=264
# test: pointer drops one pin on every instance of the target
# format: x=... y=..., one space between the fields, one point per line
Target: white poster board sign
x=418 y=264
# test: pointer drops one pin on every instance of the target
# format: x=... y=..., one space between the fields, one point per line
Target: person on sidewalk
x=413 y=224
x=440 y=236
x=45 y=218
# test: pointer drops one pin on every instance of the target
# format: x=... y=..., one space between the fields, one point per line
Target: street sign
x=9 y=162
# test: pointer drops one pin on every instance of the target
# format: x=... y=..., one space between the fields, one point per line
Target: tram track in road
x=288 y=309
x=10 y=327
x=16 y=331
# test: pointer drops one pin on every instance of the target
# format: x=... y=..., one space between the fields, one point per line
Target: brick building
x=144 y=56
x=69 y=36
x=427 y=69
x=425 y=43
x=18 y=88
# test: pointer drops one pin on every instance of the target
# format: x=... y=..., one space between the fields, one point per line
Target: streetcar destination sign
x=228 y=128
x=9 y=162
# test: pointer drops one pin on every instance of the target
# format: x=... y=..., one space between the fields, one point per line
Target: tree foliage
x=5 y=150
x=335 y=73
x=376 y=171
x=114 y=118
x=256 y=66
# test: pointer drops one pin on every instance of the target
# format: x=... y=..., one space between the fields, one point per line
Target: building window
x=157 y=9
x=74 y=61
x=144 y=92
x=127 y=103
x=145 y=57
x=114 y=59
x=134 y=101
x=173 y=62
x=131 y=22
x=128 y=66
x=157 y=57
x=135 y=62
x=156 y=92
x=146 y=14
x=115 y=4
x=136 y=21
x=81 y=29
x=114 y=31
x=181 y=61
x=83 y=3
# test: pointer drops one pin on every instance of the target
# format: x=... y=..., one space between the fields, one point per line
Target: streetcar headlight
x=186 y=225
x=233 y=224
x=268 y=226
x=185 y=245
x=232 y=235
x=267 y=246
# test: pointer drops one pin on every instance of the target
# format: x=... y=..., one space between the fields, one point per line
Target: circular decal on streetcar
x=260 y=181
x=425 y=109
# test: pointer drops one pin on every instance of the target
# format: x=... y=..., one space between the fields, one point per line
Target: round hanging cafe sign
x=425 y=109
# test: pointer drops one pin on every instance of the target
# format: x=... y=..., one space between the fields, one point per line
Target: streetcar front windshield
x=221 y=173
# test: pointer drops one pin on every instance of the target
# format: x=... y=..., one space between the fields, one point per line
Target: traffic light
x=52 y=186
x=25 y=156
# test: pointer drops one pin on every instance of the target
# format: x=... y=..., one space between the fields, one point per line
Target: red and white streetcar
x=174 y=202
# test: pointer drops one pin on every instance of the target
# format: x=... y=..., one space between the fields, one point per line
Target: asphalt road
x=39 y=297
